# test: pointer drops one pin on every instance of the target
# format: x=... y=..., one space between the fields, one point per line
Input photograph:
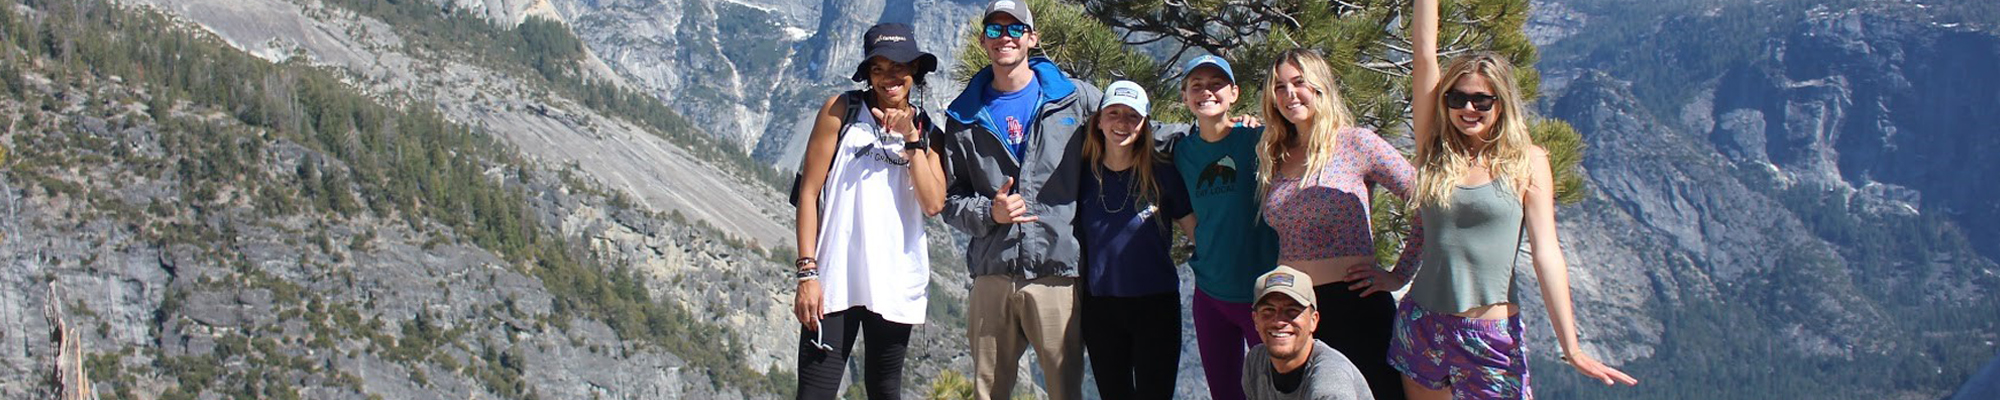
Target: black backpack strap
x=856 y=103
x=932 y=131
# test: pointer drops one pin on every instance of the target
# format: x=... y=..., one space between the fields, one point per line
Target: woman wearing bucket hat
x=869 y=178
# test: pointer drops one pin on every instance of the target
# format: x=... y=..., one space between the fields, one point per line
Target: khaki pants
x=1009 y=314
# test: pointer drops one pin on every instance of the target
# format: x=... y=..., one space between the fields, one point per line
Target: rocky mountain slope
x=621 y=155
x=1778 y=209
x=747 y=71
x=379 y=215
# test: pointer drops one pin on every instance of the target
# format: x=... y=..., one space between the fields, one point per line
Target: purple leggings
x=1224 y=332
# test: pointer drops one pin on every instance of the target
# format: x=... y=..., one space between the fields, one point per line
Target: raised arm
x=1540 y=200
x=928 y=170
x=820 y=148
x=925 y=172
x=1424 y=74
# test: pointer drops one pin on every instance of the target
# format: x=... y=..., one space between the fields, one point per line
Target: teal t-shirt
x=1232 y=245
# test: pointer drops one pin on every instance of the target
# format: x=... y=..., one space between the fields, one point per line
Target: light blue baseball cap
x=1207 y=60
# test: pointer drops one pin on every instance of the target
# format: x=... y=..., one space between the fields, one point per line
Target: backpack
x=856 y=104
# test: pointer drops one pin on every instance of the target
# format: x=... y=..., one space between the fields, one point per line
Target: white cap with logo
x=1127 y=93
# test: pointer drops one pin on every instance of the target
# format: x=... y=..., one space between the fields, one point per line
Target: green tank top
x=1470 y=249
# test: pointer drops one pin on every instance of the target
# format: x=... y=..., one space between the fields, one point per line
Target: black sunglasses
x=1454 y=99
x=817 y=343
x=993 y=31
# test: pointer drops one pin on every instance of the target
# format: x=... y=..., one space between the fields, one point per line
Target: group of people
x=1071 y=195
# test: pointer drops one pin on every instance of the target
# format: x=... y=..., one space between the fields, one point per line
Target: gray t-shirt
x=1329 y=376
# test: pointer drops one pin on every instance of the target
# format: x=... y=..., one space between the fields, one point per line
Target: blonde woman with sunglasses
x=1482 y=186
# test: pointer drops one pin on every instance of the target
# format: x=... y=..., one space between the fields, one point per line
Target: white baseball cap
x=1125 y=92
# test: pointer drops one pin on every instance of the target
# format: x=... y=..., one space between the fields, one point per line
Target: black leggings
x=1361 y=328
x=1134 y=344
x=820 y=371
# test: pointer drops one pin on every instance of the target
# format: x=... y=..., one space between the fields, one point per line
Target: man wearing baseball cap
x=1290 y=364
x=1012 y=154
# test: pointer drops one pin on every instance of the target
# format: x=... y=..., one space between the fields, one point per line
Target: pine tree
x=1367 y=41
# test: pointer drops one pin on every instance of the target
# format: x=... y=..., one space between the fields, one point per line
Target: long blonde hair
x=1443 y=162
x=1145 y=189
x=1330 y=115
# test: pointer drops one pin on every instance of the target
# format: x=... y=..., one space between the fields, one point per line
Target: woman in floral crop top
x=1316 y=171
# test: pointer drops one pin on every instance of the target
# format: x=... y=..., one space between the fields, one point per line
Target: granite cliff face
x=749 y=71
x=191 y=284
x=1812 y=201
x=1885 y=108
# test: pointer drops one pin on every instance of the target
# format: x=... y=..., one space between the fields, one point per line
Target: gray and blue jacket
x=1047 y=174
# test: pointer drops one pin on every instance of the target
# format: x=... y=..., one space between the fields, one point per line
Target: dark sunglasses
x=993 y=31
x=819 y=344
x=1454 y=99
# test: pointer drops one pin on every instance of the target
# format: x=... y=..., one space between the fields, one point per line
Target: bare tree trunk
x=71 y=382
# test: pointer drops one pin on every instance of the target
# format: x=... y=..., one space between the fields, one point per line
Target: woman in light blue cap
x=1232 y=245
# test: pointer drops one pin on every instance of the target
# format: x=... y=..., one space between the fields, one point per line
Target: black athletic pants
x=1361 y=328
x=882 y=366
x=1134 y=344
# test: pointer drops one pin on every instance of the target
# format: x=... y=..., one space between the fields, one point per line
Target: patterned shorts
x=1476 y=358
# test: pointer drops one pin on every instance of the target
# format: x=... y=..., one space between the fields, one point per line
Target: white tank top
x=872 y=251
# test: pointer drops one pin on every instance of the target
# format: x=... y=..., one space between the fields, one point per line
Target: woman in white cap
x=869 y=179
x=1131 y=304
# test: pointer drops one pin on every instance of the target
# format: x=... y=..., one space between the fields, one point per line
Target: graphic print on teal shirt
x=1218 y=177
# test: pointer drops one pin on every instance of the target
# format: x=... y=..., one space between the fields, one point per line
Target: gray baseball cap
x=1016 y=8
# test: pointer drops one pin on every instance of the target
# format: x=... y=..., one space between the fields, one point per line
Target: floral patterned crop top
x=1326 y=215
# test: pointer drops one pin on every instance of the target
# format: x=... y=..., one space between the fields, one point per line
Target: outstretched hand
x=1598 y=371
